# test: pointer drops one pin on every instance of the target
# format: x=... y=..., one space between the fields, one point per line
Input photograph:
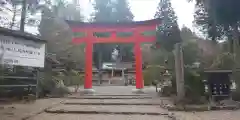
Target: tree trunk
x=179 y=69
x=23 y=15
x=14 y=16
x=230 y=45
x=236 y=56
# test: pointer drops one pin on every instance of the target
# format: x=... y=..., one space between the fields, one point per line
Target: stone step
x=118 y=95
x=80 y=103
x=47 y=116
x=109 y=97
x=113 y=102
x=109 y=109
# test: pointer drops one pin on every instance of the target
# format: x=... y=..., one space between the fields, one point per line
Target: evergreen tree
x=103 y=11
x=207 y=24
x=5 y=16
x=225 y=14
x=110 y=11
x=54 y=29
x=187 y=34
x=122 y=12
x=168 y=32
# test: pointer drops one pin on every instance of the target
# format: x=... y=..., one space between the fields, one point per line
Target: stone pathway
x=109 y=103
x=96 y=117
x=106 y=104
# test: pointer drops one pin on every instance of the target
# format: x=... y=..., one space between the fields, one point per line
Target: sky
x=184 y=10
x=145 y=10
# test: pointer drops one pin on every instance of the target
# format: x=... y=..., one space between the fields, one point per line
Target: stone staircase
x=106 y=82
x=107 y=106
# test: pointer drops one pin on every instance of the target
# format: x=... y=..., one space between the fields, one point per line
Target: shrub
x=152 y=73
x=60 y=91
x=223 y=61
x=73 y=78
x=194 y=87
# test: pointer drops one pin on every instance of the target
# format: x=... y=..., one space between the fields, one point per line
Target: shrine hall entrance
x=120 y=32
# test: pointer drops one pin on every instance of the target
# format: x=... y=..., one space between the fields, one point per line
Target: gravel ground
x=17 y=111
x=209 y=115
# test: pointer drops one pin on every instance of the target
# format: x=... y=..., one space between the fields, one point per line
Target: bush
x=223 y=61
x=147 y=78
x=53 y=84
x=60 y=91
x=194 y=87
x=73 y=78
x=152 y=73
x=174 y=87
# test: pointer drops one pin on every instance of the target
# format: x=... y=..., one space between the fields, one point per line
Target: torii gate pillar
x=88 y=68
x=138 y=68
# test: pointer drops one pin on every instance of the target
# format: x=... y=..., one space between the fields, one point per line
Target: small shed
x=218 y=84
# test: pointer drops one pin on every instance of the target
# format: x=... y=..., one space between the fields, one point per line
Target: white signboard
x=21 y=52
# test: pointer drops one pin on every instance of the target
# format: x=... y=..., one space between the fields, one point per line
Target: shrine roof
x=114 y=24
x=217 y=71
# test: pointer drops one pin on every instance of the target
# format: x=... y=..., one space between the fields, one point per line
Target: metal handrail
x=18 y=85
x=16 y=77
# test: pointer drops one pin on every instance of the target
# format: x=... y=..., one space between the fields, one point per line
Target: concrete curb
x=78 y=103
x=199 y=108
x=134 y=95
x=225 y=108
x=92 y=97
x=41 y=111
x=104 y=112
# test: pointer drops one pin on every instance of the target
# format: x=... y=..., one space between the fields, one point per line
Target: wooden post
x=23 y=15
x=179 y=68
x=123 y=73
x=37 y=78
x=112 y=74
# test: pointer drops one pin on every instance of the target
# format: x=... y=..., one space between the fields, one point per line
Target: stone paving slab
x=118 y=95
x=99 y=103
x=109 y=97
x=113 y=101
x=118 y=89
x=96 y=117
x=105 y=109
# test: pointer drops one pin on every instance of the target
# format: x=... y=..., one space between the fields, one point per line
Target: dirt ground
x=19 y=111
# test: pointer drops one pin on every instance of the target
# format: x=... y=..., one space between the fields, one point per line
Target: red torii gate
x=84 y=33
